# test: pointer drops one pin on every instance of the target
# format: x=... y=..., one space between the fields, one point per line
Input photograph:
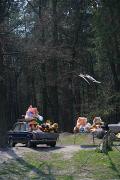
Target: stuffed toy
x=33 y=125
x=39 y=119
x=29 y=113
x=32 y=113
x=81 y=123
x=87 y=127
x=97 y=123
x=48 y=126
x=55 y=127
x=45 y=127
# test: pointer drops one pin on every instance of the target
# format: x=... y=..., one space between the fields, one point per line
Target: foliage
x=45 y=45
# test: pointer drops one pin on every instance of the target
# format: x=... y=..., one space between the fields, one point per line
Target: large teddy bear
x=82 y=125
x=97 y=123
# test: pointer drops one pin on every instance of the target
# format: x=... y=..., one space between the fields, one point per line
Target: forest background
x=44 y=46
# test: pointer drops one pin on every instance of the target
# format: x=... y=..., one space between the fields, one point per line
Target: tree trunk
x=44 y=92
x=55 y=64
x=3 y=118
x=55 y=23
x=41 y=23
x=115 y=77
x=116 y=51
x=3 y=99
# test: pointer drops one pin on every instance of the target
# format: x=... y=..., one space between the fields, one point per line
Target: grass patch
x=97 y=165
x=78 y=139
x=52 y=161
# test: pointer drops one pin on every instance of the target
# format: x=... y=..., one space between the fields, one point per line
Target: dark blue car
x=22 y=134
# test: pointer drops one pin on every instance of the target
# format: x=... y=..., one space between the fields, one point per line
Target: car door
x=23 y=132
x=19 y=132
x=15 y=132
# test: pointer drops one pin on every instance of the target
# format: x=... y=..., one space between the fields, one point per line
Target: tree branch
x=33 y=7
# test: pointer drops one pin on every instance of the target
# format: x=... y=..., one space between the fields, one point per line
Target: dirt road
x=20 y=150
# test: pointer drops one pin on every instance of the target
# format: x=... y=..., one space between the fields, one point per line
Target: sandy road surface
x=19 y=150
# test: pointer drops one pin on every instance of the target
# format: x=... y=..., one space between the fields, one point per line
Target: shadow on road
x=113 y=166
x=43 y=147
x=88 y=146
x=42 y=170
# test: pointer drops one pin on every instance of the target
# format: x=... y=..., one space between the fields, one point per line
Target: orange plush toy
x=81 y=123
x=97 y=122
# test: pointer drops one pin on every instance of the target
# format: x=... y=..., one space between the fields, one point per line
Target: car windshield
x=22 y=127
x=27 y=127
x=16 y=127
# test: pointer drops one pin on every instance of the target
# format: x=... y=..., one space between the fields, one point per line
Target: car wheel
x=34 y=145
x=29 y=144
x=53 y=144
x=11 y=143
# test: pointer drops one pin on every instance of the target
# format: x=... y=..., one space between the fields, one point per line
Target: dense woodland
x=44 y=46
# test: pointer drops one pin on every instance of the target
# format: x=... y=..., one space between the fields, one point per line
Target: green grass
x=78 y=139
x=97 y=165
x=42 y=165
